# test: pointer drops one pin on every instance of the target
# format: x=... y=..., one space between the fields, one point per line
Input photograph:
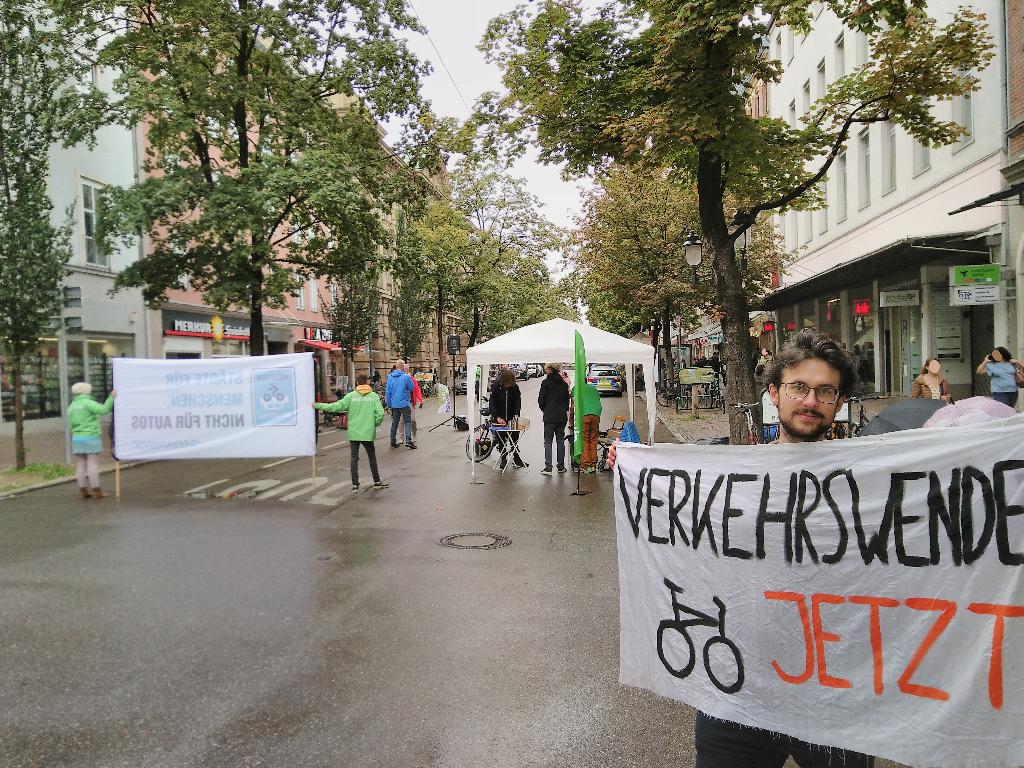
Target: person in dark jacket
x=506 y=405
x=554 y=402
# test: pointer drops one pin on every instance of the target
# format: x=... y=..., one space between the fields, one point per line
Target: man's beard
x=806 y=431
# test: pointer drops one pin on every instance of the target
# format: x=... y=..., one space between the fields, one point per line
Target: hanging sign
x=899 y=298
x=974 y=274
x=861 y=594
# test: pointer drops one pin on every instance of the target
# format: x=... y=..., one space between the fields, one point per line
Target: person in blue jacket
x=398 y=397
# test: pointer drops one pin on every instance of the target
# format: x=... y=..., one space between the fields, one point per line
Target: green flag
x=577 y=396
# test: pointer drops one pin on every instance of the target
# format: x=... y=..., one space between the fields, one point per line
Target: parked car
x=534 y=370
x=459 y=386
x=519 y=369
x=606 y=379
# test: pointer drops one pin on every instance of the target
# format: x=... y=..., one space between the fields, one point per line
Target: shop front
x=328 y=362
x=196 y=335
x=891 y=310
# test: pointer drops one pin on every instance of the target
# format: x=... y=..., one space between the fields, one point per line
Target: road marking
x=255 y=486
x=279 y=463
x=208 y=485
x=305 y=486
x=342 y=442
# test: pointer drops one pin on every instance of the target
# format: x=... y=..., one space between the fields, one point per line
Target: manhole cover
x=474 y=541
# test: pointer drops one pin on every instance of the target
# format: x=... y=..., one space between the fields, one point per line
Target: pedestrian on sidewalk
x=84 y=422
x=398 y=397
x=554 y=403
x=1000 y=367
x=365 y=414
x=415 y=401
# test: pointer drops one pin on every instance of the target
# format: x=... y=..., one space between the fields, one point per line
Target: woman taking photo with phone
x=1001 y=370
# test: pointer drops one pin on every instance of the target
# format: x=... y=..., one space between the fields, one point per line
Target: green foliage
x=409 y=314
x=352 y=311
x=264 y=164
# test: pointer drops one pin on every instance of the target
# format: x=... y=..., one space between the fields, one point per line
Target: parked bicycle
x=682 y=626
x=748 y=410
x=480 y=442
x=666 y=393
x=857 y=426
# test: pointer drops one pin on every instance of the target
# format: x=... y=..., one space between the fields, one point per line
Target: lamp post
x=692 y=252
x=742 y=239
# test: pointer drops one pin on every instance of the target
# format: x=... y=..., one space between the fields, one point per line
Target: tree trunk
x=666 y=341
x=256 y=342
x=655 y=335
x=732 y=299
x=476 y=326
x=19 y=413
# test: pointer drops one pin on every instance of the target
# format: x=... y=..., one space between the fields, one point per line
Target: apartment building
x=873 y=265
x=104 y=326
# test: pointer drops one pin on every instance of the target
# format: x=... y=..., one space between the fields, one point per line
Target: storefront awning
x=908 y=252
x=1015 y=190
x=320 y=344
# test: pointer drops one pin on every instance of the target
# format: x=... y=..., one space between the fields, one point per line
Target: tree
x=665 y=82
x=264 y=166
x=352 y=312
x=409 y=314
x=41 y=103
x=630 y=250
x=507 y=226
x=442 y=234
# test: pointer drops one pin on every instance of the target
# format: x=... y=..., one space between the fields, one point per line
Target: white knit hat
x=81 y=388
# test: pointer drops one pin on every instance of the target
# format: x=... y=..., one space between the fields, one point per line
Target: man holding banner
x=808 y=383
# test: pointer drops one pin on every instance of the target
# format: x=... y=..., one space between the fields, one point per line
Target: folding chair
x=506 y=438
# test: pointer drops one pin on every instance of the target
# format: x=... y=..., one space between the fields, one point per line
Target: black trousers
x=555 y=432
x=722 y=744
x=371 y=454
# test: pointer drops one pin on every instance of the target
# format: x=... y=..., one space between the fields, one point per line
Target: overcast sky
x=456 y=27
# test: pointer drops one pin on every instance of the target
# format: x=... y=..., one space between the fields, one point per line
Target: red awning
x=320 y=344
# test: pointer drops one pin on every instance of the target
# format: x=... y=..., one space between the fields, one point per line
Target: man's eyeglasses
x=797 y=390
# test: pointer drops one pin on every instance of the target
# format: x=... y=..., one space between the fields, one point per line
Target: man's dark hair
x=814 y=345
x=361 y=379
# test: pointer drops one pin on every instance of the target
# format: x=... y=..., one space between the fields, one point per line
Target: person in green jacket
x=589 y=401
x=365 y=414
x=84 y=421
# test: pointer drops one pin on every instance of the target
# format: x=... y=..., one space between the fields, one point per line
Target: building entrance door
x=910 y=329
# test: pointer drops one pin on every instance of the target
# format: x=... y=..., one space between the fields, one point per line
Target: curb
x=63 y=480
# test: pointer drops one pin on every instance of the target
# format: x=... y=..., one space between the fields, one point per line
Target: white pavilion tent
x=554 y=341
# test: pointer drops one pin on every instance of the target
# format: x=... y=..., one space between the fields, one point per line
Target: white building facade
x=104 y=326
x=873 y=266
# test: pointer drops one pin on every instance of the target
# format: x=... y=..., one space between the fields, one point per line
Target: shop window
x=862 y=336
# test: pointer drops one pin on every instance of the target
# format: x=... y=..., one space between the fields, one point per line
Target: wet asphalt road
x=314 y=627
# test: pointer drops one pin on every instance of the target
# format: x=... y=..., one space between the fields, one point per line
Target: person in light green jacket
x=365 y=414
x=84 y=421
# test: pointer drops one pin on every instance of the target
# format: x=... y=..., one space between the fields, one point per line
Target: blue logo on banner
x=273 y=397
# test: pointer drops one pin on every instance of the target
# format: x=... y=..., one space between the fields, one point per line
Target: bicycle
x=747 y=409
x=856 y=427
x=666 y=395
x=480 y=442
x=701 y=619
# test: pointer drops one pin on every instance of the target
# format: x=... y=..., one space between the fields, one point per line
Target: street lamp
x=742 y=239
x=692 y=252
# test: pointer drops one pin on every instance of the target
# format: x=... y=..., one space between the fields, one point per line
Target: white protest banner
x=244 y=407
x=864 y=594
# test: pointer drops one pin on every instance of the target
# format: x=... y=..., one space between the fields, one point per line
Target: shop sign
x=311 y=333
x=970 y=295
x=899 y=298
x=768 y=327
x=861 y=307
x=974 y=274
x=203 y=326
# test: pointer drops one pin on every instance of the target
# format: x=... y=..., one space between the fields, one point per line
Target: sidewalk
x=714 y=423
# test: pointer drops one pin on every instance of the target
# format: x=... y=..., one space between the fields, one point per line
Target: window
x=808 y=226
x=841 y=188
x=92 y=200
x=963 y=114
x=863 y=49
x=864 y=169
x=333 y=290
x=314 y=297
x=922 y=158
x=806 y=103
x=300 y=297
x=821 y=82
x=823 y=212
x=888 y=157
x=778 y=46
x=840 y=57
x=790 y=45
x=794 y=235
x=792 y=114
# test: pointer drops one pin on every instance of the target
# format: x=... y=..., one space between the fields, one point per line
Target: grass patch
x=12 y=479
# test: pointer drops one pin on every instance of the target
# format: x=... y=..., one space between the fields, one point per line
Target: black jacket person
x=554 y=402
